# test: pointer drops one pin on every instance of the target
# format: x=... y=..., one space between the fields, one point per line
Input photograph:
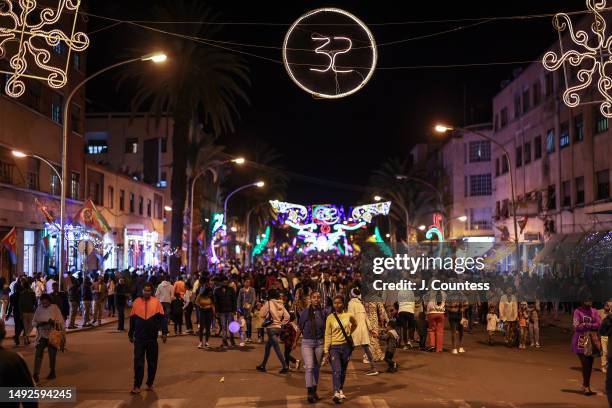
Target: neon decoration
x=436 y=228
x=30 y=34
x=324 y=227
x=217 y=232
x=319 y=56
x=381 y=242
x=594 y=56
x=260 y=244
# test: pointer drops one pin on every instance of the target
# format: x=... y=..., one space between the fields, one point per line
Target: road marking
x=101 y=404
x=170 y=403
x=247 y=402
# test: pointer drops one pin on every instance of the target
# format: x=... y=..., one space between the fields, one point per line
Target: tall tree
x=201 y=84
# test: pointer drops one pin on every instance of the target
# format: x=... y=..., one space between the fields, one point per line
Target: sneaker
x=150 y=387
x=342 y=394
x=461 y=350
x=406 y=347
x=135 y=390
x=261 y=368
x=336 y=398
x=538 y=345
x=207 y=345
x=200 y=346
x=297 y=364
x=242 y=344
x=532 y=344
x=372 y=372
x=366 y=361
x=454 y=351
x=284 y=370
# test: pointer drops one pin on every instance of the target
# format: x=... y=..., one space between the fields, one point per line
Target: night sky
x=339 y=142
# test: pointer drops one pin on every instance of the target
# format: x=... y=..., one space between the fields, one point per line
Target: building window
x=132 y=202
x=148 y=207
x=517 y=106
x=537 y=93
x=465 y=186
x=504 y=117
x=480 y=185
x=497 y=167
x=95 y=193
x=480 y=218
x=526 y=101
x=603 y=184
x=32 y=174
x=122 y=200
x=97 y=147
x=131 y=145
x=548 y=83
x=601 y=122
x=579 y=190
x=75 y=185
x=158 y=206
x=56 y=107
x=527 y=152
x=564 y=138
x=54 y=185
x=567 y=194
x=550 y=141
x=111 y=197
x=519 y=156
x=552 y=197
x=480 y=151
x=578 y=128
x=164 y=145
x=504 y=164
x=140 y=205
x=537 y=147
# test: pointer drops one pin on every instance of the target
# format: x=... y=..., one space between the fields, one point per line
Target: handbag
x=57 y=339
x=591 y=344
x=349 y=339
x=268 y=320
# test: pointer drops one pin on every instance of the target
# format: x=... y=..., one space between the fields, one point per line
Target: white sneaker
x=538 y=345
x=342 y=394
x=207 y=345
x=366 y=361
x=200 y=345
x=241 y=344
x=461 y=350
x=297 y=364
x=337 y=398
x=454 y=351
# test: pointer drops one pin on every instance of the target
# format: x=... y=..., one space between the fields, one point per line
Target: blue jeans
x=273 y=338
x=312 y=353
x=226 y=319
x=249 y=320
x=340 y=355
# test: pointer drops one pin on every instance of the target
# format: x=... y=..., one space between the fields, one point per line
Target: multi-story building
x=560 y=159
x=33 y=124
x=466 y=160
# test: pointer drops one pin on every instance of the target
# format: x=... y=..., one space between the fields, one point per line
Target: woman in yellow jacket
x=338 y=347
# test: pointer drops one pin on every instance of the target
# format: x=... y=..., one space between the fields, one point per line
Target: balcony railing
x=6 y=172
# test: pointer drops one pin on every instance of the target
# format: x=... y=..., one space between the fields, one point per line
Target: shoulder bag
x=349 y=339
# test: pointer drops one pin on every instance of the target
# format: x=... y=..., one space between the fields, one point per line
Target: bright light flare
x=157 y=58
x=377 y=198
x=239 y=160
x=19 y=154
x=462 y=218
x=442 y=128
x=167 y=208
x=422 y=227
x=260 y=184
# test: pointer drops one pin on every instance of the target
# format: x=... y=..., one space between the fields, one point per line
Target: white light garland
x=27 y=28
x=596 y=53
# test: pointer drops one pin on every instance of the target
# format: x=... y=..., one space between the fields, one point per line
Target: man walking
x=146 y=320
x=225 y=306
x=165 y=294
x=121 y=294
x=99 y=298
x=87 y=296
x=74 y=295
x=246 y=301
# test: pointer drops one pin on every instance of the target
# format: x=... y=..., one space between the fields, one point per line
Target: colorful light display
x=436 y=228
x=35 y=30
x=323 y=227
x=260 y=244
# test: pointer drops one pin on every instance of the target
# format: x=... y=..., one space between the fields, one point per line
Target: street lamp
x=167 y=208
x=422 y=227
x=155 y=58
x=212 y=169
x=462 y=218
x=377 y=198
x=445 y=128
x=21 y=155
x=258 y=184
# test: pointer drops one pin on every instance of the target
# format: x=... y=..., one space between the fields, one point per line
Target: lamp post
x=212 y=169
x=156 y=58
x=258 y=184
x=445 y=128
x=19 y=154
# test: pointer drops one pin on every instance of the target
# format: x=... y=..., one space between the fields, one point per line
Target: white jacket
x=361 y=335
x=164 y=292
x=508 y=309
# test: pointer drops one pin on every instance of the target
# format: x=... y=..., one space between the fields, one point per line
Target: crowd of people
x=319 y=303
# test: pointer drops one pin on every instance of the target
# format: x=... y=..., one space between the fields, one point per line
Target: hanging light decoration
x=30 y=35
x=591 y=59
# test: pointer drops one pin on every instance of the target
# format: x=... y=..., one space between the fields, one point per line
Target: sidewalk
x=10 y=326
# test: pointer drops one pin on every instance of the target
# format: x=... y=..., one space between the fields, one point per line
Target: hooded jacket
x=225 y=299
x=165 y=292
x=146 y=320
x=278 y=313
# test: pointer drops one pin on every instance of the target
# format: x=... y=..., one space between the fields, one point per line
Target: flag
x=10 y=243
x=45 y=242
x=49 y=216
x=90 y=217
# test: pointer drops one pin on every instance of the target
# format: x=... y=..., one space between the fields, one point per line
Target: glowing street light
x=239 y=160
x=156 y=57
x=462 y=218
x=377 y=198
x=20 y=155
x=422 y=227
x=167 y=208
x=234 y=229
x=443 y=128
x=260 y=184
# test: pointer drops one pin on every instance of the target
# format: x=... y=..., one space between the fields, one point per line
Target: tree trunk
x=178 y=192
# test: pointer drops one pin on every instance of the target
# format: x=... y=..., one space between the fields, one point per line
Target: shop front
x=141 y=248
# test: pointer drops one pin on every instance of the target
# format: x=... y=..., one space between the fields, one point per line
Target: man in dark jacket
x=74 y=296
x=14 y=301
x=87 y=297
x=225 y=306
x=60 y=299
x=14 y=372
x=121 y=294
x=146 y=320
x=27 y=307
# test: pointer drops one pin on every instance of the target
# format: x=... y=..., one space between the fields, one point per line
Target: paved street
x=98 y=363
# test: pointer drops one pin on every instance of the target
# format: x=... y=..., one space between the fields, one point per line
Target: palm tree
x=201 y=84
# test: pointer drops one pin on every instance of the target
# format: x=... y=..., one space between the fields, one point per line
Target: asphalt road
x=98 y=363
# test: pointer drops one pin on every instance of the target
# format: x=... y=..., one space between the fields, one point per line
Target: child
x=176 y=314
x=257 y=321
x=243 y=328
x=392 y=339
x=289 y=337
x=523 y=318
x=534 y=324
x=492 y=321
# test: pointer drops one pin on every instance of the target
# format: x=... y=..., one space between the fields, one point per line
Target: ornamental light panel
x=329 y=53
x=590 y=58
x=34 y=43
x=324 y=227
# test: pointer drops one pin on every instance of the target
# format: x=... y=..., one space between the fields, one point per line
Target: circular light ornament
x=329 y=53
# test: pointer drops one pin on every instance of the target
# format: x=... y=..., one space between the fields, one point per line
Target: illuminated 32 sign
x=329 y=53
